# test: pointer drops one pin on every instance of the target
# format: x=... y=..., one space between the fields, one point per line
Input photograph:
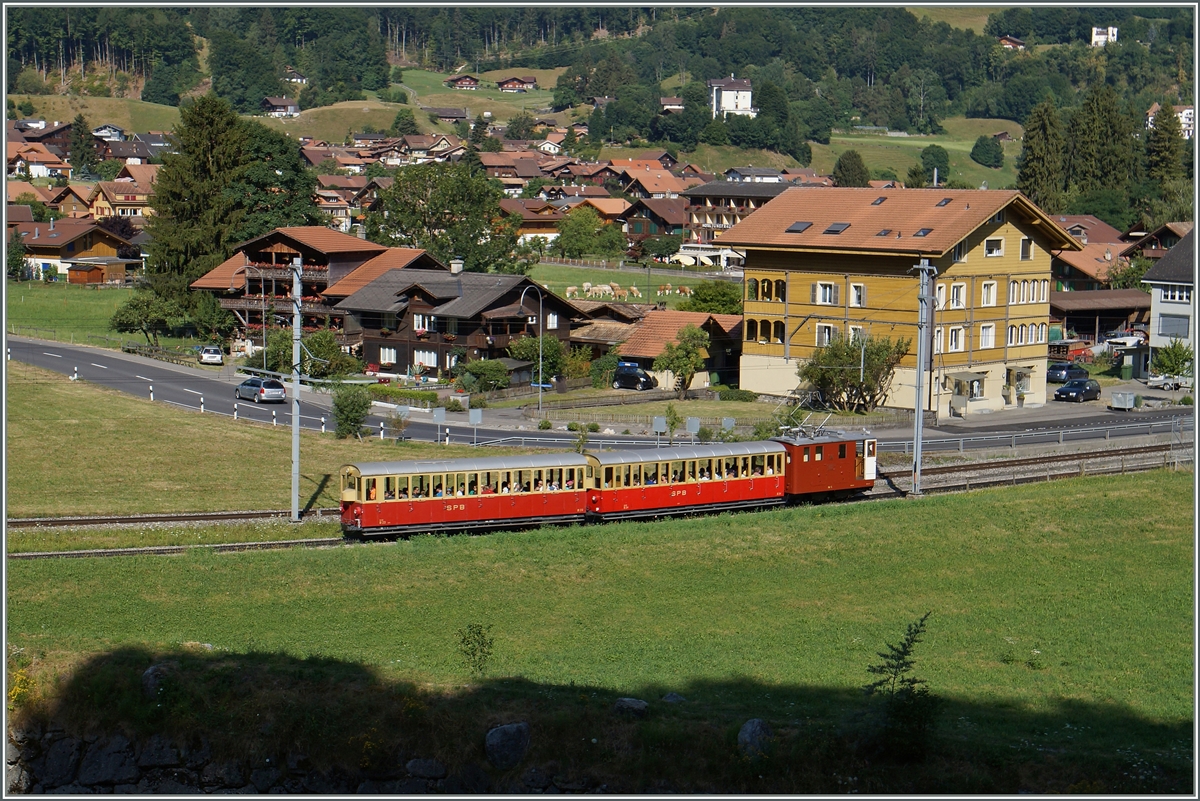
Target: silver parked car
x=211 y=354
x=260 y=389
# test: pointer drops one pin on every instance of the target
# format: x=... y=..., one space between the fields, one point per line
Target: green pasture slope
x=1056 y=627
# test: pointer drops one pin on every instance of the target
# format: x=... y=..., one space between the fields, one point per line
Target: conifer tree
x=196 y=218
x=1100 y=143
x=83 y=153
x=850 y=170
x=1040 y=166
x=1164 y=147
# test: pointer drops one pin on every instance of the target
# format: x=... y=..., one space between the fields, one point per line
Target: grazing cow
x=604 y=289
x=621 y=294
x=686 y=291
x=664 y=289
x=572 y=292
x=587 y=287
x=633 y=290
x=615 y=286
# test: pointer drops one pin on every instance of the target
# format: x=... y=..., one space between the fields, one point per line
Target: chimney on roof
x=456 y=265
x=51 y=223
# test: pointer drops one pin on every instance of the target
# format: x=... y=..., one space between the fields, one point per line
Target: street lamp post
x=541 y=337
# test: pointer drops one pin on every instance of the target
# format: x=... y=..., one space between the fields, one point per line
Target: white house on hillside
x=1186 y=115
x=1102 y=36
x=730 y=96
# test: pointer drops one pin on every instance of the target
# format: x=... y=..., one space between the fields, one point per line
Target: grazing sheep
x=572 y=292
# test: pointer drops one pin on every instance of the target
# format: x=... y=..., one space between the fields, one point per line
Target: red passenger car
x=673 y=481
x=401 y=498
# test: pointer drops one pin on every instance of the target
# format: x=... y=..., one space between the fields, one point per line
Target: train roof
x=819 y=437
x=526 y=462
x=681 y=454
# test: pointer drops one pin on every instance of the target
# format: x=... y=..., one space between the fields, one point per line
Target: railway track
x=974 y=475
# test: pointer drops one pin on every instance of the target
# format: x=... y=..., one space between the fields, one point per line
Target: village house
x=717 y=206
x=1171 y=281
x=417 y=320
x=35 y=160
x=71 y=200
x=670 y=105
x=1155 y=244
x=606 y=324
x=539 y=218
x=754 y=175
x=462 y=82
x=291 y=75
x=658 y=328
x=655 y=217
x=109 y=132
x=1086 y=269
x=1089 y=228
x=1103 y=36
x=52 y=246
x=448 y=115
x=516 y=84
x=1186 y=115
x=1011 y=43
x=824 y=263
x=280 y=107
x=731 y=96
x=121 y=198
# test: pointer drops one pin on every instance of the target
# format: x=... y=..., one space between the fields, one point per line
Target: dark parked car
x=630 y=376
x=1060 y=372
x=1078 y=390
x=260 y=389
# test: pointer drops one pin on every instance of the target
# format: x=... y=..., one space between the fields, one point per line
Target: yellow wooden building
x=838 y=262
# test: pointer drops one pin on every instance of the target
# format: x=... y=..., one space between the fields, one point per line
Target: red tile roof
x=658 y=328
x=227 y=276
x=324 y=240
x=904 y=214
x=1095 y=260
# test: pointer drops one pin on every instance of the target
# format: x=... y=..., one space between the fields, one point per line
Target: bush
x=351 y=405
x=765 y=429
x=389 y=392
x=452 y=405
x=1186 y=400
x=1138 y=400
x=593 y=427
x=705 y=434
x=743 y=395
x=544 y=425
x=572 y=426
x=478 y=402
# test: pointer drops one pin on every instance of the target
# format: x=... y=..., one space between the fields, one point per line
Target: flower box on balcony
x=449 y=337
x=421 y=333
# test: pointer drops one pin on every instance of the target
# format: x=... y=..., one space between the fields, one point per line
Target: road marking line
x=194 y=392
x=143 y=378
x=101 y=366
x=55 y=355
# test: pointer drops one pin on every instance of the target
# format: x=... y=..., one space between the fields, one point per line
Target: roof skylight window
x=884 y=232
x=944 y=201
x=924 y=232
x=878 y=201
x=798 y=227
x=836 y=228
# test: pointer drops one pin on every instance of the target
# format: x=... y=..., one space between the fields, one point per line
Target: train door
x=868 y=471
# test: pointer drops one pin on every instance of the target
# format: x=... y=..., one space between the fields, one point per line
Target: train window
x=757 y=466
x=745 y=471
x=842 y=451
x=524 y=479
x=537 y=485
x=371 y=493
x=459 y=486
x=731 y=468
x=505 y=481
x=691 y=466
x=389 y=488
x=472 y=483
x=402 y=488
x=650 y=474
x=579 y=482
x=870 y=447
x=438 y=482
x=420 y=487
x=676 y=472
x=625 y=477
x=635 y=476
x=806 y=454
x=608 y=477
x=820 y=453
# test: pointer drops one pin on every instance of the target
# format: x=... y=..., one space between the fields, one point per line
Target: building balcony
x=278 y=305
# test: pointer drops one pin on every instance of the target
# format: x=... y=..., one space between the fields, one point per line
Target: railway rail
x=974 y=475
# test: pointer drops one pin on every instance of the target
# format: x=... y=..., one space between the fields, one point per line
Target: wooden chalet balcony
x=310 y=272
x=284 y=304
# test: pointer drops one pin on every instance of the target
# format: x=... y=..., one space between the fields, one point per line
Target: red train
x=387 y=499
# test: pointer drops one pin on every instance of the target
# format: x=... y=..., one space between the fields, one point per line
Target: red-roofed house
x=660 y=327
x=462 y=82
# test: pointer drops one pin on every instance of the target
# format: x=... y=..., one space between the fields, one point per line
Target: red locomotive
x=400 y=498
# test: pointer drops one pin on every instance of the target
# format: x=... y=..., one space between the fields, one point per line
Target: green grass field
x=1057 y=626
x=963 y=18
x=558 y=277
x=132 y=115
x=59 y=432
x=431 y=92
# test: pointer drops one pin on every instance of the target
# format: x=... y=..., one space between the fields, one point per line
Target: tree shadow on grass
x=317 y=492
x=345 y=716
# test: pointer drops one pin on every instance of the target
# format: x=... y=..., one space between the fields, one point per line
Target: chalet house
x=660 y=327
x=291 y=75
x=837 y=262
x=132 y=152
x=1156 y=243
x=256 y=282
x=423 y=148
x=606 y=324
x=414 y=320
x=717 y=206
x=754 y=175
x=448 y=115
x=367 y=198
x=539 y=218
x=462 y=82
x=609 y=209
x=656 y=217
x=1086 y=269
x=554 y=192
x=549 y=146
x=670 y=105
x=280 y=107
x=600 y=102
x=336 y=204
x=56 y=136
x=71 y=200
x=53 y=245
x=367 y=139
x=664 y=159
x=124 y=198
x=109 y=133
x=1186 y=115
x=36 y=160
x=1089 y=228
x=516 y=84
x=1011 y=43
x=1003 y=136
x=1171 y=280
x=158 y=142
x=657 y=183
x=731 y=96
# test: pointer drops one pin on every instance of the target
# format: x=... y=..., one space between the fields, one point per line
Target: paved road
x=188 y=385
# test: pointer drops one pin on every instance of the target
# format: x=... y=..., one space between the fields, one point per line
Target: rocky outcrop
x=755 y=738
x=506 y=745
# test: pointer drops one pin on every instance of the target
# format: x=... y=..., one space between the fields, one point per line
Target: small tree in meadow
x=351 y=405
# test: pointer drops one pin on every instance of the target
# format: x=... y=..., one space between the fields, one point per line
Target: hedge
x=391 y=393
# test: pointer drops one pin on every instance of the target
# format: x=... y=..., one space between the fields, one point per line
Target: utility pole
x=924 y=299
x=297 y=268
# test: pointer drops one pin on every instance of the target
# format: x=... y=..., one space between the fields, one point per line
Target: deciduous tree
x=854 y=374
x=933 y=158
x=553 y=358
x=148 y=313
x=685 y=356
x=714 y=297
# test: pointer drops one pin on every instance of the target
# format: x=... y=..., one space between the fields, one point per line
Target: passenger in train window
x=371 y=490
x=403 y=494
x=504 y=488
x=471 y=489
x=570 y=481
x=488 y=489
x=553 y=485
x=462 y=491
x=538 y=486
x=437 y=491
